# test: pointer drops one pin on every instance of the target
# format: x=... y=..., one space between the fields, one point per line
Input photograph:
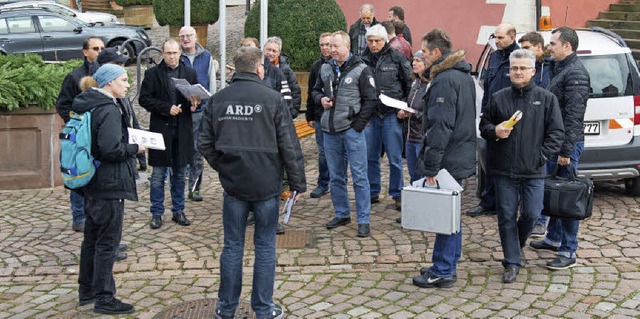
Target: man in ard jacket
x=170 y=116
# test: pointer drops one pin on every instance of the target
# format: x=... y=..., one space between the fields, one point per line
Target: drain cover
x=203 y=308
x=290 y=239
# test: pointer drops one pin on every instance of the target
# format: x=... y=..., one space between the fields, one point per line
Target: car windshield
x=609 y=74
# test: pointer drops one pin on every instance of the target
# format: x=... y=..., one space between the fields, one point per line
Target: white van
x=612 y=117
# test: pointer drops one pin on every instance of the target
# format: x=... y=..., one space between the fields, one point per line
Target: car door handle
x=47 y=37
x=5 y=40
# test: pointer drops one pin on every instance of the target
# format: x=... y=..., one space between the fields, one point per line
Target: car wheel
x=632 y=186
x=128 y=51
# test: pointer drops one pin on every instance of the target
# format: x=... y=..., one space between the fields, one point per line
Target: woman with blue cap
x=112 y=183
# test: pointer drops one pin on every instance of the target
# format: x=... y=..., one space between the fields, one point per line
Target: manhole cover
x=203 y=308
x=290 y=239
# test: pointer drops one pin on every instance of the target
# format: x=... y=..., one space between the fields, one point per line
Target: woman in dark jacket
x=112 y=183
x=413 y=121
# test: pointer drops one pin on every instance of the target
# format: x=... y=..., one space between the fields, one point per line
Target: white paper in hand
x=288 y=206
x=397 y=104
x=147 y=139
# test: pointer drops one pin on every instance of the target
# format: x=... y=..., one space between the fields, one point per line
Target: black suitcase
x=568 y=197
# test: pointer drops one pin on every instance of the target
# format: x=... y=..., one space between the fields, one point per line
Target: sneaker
x=78 y=227
x=539 y=230
x=84 y=300
x=112 y=306
x=561 y=262
x=219 y=315
x=542 y=245
x=430 y=281
x=276 y=313
x=120 y=255
x=318 y=192
x=195 y=196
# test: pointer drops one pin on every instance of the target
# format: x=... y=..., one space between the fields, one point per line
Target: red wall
x=462 y=18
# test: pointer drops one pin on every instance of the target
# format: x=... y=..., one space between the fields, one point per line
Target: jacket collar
x=445 y=62
x=246 y=76
x=523 y=90
x=566 y=61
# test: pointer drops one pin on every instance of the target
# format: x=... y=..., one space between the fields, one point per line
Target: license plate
x=591 y=128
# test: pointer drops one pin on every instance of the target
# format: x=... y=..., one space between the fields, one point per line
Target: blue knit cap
x=107 y=73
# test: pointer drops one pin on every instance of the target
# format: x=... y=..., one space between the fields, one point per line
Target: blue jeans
x=234 y=221
x=385 y=131
x=156 y=192
x=196 y=168
x=323 y=169
x=352 y=145
x=77 y=208
x=514 y=231
x=563 y=233
x=412 y=151
x=447 y=250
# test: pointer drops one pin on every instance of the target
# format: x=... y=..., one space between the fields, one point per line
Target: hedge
x=299 y=23
x=171 y=12
x=126 y=3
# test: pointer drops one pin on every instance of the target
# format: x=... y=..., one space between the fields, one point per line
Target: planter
x=201 y=31
x=140 y=16
x=29 y=148
x=303 y=81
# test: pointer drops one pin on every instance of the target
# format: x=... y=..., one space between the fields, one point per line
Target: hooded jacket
x=248 y=137
x=497 y=77
x=115 y=176
x=571 y=84
x=449 y=120
x=392 y=73
x=533 y=140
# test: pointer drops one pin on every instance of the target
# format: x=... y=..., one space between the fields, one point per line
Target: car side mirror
x=77 y=30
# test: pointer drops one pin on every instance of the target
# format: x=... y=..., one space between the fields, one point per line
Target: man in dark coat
x=248 y=137
x=273 y=51
x=571 y=84
x=358 y=30
x=91 y=47
x=170 y=116
x=450 y=142
x=397 y=14
x=519 y=153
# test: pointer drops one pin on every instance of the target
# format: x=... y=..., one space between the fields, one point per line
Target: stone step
x=625 y=7
x=633 y=43
x=613 y=24
x=630 y=1
x=627 y=34
x=619 y=16
x=636 y=53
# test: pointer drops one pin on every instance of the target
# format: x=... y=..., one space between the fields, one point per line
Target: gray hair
x=523 y=54
x=377 y=31
x=276 y=40
x=247 y=59
x=367 y=7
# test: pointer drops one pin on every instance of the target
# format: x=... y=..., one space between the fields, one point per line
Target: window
x=55 y=24
x=4 y=29
x=21 y=25
x=609 y=74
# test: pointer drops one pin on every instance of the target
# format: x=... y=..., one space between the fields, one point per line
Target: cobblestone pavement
x=338 y=276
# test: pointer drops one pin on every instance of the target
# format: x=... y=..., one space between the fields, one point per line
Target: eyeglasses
x=182 y=36
x=97 y=49
x=519 y=68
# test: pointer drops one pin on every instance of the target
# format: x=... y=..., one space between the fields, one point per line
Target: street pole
x=264 y=4
x=187 y=12
x=223 y=43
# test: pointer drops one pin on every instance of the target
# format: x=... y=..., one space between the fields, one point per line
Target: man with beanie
x=170 y=116
x=104 y=196
x=198 y=58
x=91 y=47
x=248 y=137
x=392 y=73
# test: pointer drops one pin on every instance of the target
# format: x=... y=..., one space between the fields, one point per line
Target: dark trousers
x=102 y=232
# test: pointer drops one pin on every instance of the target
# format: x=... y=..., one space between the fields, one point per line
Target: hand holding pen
x=175 y=110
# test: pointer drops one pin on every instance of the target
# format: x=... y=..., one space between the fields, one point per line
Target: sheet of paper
x=445 y=181
x=189 y=90
x=147 y=139
x=389 y=101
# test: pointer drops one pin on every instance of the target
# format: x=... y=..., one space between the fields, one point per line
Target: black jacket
x=413 y=125
x=497 y=76
x=570 y=84
x=392 y=73
x=314 y=111
x=355 y=30
x=275 y=79
x=292 y=83
x=71 y=88
x=533 y=140
x=450 y=119
x=248 y=137
x=114 y=178
x=155 y=97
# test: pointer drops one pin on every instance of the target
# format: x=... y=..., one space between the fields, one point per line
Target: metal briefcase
x=431 y=210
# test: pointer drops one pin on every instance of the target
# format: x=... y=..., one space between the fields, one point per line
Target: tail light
x=636 y=106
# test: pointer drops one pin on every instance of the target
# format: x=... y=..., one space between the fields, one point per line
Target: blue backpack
x=76 y=162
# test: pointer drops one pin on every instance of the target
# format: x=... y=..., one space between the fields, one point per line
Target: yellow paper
x=513 y=120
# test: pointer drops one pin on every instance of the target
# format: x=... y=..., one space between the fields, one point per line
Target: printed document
x=147 y=139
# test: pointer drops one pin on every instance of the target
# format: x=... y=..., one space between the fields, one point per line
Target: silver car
x=94 y=18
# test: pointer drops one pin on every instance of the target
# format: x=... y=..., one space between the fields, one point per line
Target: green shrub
x=171 y=12
x=25 y=80
x=299 y=23
x=125 y=3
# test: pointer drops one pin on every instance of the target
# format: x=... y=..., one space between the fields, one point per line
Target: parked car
x=612 y=117
x=58 y=37
x=96 y=18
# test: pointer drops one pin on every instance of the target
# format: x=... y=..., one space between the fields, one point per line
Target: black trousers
x=102 y=232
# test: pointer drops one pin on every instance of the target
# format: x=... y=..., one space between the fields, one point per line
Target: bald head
x=505 y=35
x=188 y=39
